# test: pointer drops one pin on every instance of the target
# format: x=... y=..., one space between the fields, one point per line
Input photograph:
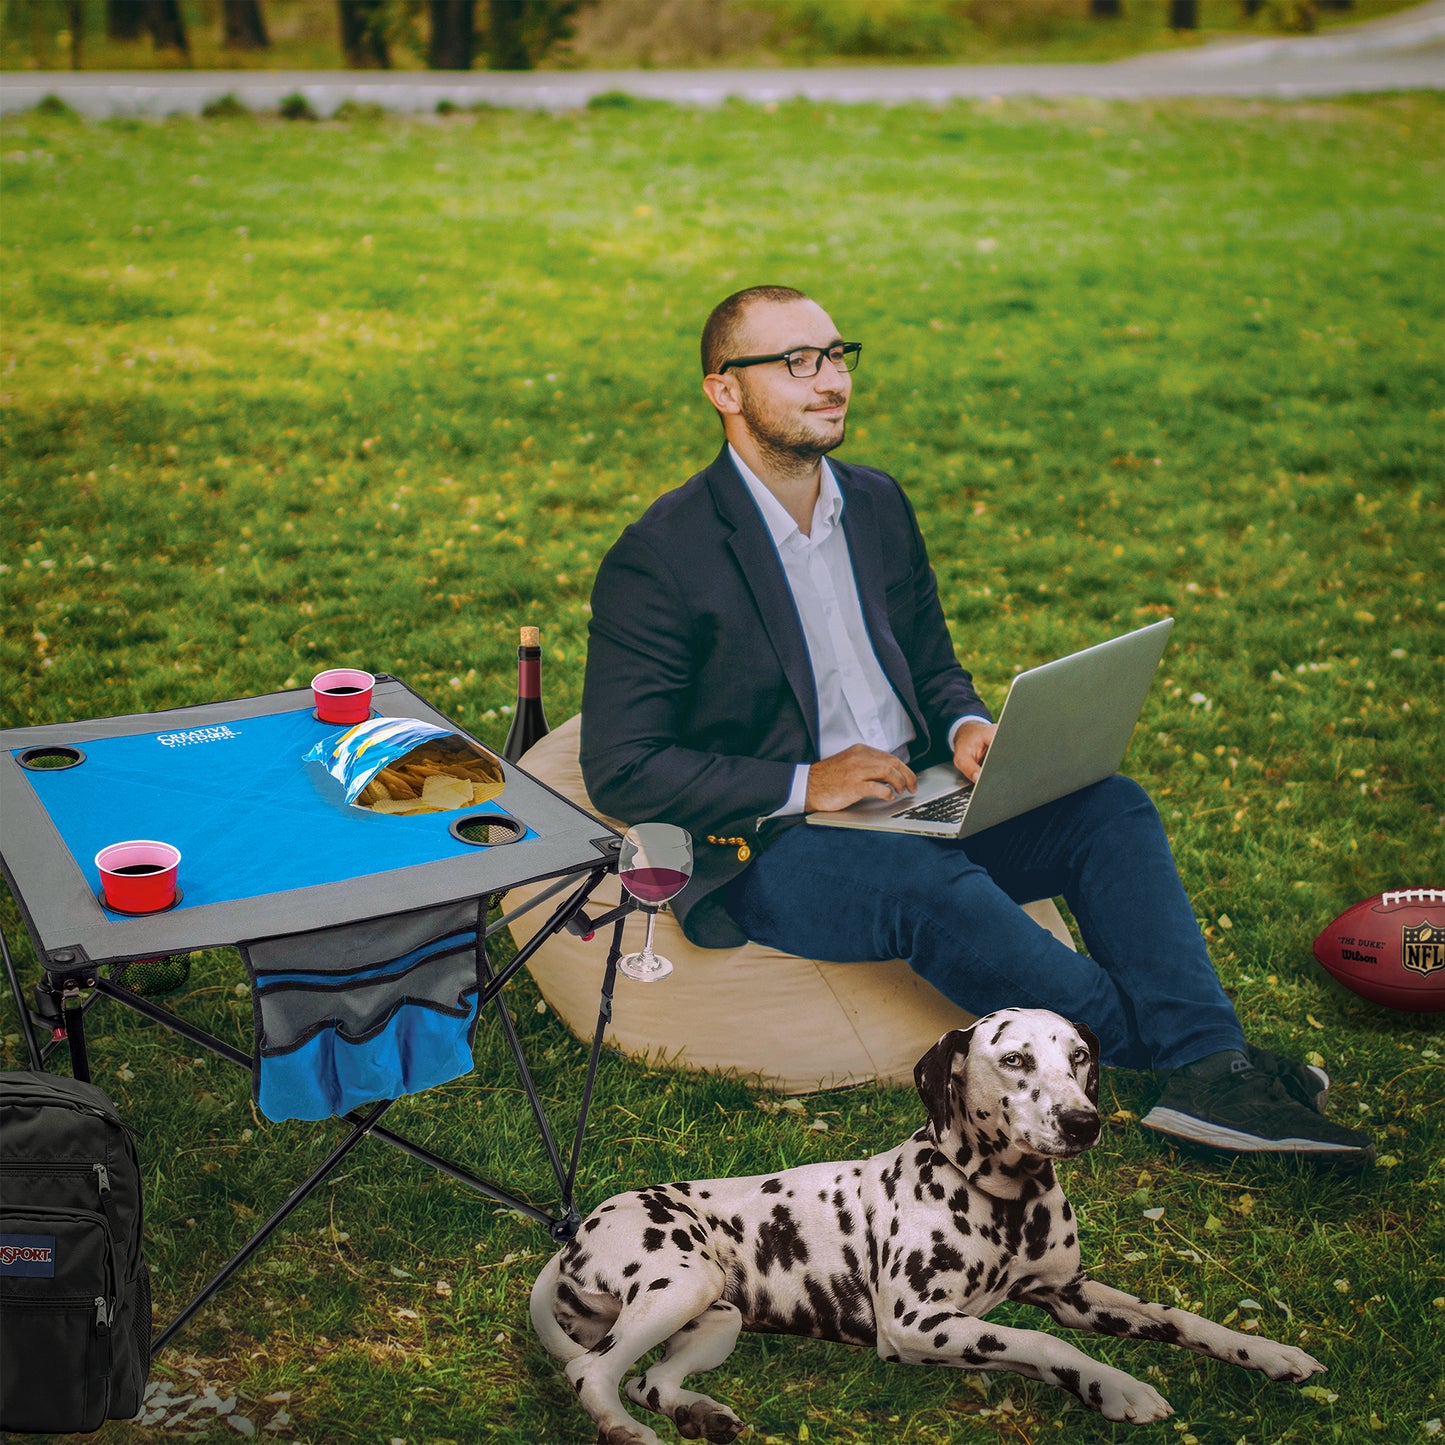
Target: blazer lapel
x=762 y=571
x=865 y=547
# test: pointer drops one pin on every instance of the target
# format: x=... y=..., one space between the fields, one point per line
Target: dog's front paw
x=1122 y=1397
x=1284 y=1362
x=707 y=1420
x=633 y=1434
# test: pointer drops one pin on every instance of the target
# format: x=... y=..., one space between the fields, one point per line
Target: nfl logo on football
x=1424 y=948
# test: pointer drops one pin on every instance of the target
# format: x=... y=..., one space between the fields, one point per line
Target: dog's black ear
x=1091 y=1084
x=932 y=1074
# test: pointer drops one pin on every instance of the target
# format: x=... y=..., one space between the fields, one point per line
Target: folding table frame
x=74 y=937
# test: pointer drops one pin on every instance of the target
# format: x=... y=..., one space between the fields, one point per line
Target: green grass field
x=376 y=393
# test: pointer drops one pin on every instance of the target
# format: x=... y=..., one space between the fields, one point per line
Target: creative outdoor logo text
x=195 y=735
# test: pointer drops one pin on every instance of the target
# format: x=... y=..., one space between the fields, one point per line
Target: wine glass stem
x=649 y=959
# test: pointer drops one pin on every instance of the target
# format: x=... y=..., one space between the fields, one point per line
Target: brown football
x=1390 y=949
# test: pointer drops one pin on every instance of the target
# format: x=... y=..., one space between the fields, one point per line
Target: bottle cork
x=531 y=637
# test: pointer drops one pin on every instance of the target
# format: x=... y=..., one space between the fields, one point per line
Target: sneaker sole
x=1191 y=1130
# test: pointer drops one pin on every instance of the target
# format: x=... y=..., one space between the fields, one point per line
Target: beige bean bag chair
x=790 y=1023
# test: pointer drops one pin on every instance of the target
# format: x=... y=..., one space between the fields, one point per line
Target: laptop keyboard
x=946 y=808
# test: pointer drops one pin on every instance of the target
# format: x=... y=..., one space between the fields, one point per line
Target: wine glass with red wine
x=654 y=865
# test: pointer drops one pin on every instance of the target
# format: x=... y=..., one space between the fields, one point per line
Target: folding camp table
x=277 y=864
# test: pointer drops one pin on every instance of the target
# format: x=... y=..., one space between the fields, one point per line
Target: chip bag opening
x=402 y=767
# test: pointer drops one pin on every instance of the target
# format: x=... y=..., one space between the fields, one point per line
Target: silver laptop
x=1064 y=725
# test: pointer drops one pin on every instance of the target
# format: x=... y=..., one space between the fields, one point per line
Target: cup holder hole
x=50 y=758
x=487 y=830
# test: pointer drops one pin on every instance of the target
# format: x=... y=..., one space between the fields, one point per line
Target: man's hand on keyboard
x=970 y=744
x=855 y=773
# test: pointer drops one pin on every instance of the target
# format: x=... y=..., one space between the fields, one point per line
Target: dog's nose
x=1079 y=1126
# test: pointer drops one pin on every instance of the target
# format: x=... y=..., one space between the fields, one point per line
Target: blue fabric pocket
x=328 y=1041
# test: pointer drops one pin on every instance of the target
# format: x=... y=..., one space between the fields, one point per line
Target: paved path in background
x=1401 y=52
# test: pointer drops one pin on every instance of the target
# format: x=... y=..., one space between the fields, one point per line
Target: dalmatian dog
x=906 y=1251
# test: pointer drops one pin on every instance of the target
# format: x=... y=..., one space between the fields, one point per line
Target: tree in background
x=124 y=19
x=167 y=25
x=1106 y=9
x=363 y=34
x=453 y=34
x=243 y=27
x=521 y=32
x=75 y=23
x=1184 y=14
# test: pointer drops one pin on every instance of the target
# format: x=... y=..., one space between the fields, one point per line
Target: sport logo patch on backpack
x=31 y=1255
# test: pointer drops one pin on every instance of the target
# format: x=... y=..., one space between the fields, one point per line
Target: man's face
x=800 y=416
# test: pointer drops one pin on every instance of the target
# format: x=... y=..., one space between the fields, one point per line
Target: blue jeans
x=952 y=909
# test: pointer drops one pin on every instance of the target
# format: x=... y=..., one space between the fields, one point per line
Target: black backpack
x=75 y=1297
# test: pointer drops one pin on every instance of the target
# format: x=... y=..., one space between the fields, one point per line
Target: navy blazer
x=699 y=699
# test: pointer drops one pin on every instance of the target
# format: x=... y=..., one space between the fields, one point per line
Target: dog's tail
x=559 y=1343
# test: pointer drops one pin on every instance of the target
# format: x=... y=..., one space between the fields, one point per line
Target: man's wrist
x=972 y=717
x=797 y=794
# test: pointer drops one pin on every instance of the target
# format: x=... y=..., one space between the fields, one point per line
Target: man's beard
x=789 y=445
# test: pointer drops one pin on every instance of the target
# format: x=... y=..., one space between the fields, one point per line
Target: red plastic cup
x=343 y=695
x=138 y=876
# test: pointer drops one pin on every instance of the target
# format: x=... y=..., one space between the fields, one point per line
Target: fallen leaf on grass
x=1318 y=1392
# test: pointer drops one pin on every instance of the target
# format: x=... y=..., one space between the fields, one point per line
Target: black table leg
x=604 y=1017
x=27 y=1025
x=296 y=1197
x=73 y=1011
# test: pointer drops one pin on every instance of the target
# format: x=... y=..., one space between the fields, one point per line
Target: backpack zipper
x=104 y=1311
x=70 y=1166
x=22 y=1097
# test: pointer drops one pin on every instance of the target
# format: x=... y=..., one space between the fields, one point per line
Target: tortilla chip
x=403 y=807
x=446 y=793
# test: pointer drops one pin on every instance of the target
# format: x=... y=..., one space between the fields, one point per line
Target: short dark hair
x=720 y=332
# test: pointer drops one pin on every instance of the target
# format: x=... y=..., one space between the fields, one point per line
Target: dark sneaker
x=1308 y=1084
x=1226 y=1103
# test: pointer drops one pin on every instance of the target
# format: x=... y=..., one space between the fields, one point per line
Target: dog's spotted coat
x=906 y=1252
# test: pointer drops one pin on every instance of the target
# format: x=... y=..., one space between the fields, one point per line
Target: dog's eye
x=1081 y=1055
x=1012 y=1061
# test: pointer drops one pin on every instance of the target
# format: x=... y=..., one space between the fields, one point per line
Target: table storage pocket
x=329 y=1041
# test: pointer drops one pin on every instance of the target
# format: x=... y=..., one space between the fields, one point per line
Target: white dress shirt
x=856 y=702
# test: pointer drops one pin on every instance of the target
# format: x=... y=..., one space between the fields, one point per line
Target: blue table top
x=249 y=816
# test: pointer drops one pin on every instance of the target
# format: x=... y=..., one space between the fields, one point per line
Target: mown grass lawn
x=377 y=393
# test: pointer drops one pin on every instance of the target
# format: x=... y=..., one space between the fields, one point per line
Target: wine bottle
x=529 y=722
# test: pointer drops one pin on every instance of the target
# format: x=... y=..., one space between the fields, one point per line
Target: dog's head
x=1018 y=1083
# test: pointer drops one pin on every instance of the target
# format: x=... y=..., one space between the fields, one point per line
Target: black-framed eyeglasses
x=805 y=360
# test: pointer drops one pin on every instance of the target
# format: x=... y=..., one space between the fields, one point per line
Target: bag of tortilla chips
x=402 y=765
